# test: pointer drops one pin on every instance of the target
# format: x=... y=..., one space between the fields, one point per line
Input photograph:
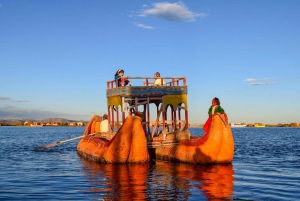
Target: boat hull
x=129 y=145
x=215 y=146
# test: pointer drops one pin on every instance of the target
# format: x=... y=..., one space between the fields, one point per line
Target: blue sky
x=56 y=56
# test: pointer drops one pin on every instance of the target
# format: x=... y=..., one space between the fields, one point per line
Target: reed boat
x=128 y=145
x=136 y=138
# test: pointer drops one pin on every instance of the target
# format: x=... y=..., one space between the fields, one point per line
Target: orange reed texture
x=119 y=149
x=93 y=130
x=129 y=145
x=218 y=147
x=92 y=148
x=138 y=151
x=97 y=126
x=91 y=125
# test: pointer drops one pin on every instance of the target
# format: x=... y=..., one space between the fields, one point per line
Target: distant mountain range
x=48 y=120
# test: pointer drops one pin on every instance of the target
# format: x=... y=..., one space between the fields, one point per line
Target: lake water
x=266 y=166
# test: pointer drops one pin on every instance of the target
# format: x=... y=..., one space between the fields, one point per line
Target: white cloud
x=256 y=81
x=172 y=12
x=261 y=83
x=144 y=26
x=249 y=79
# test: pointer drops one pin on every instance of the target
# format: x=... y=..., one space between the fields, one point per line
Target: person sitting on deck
x=158 y=81
x=120 y=74
x=104 y=124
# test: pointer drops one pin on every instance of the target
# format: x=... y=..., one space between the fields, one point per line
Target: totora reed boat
x=134 y=138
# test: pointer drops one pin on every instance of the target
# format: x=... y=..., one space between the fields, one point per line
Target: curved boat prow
x=122 y=148
x=216 y=146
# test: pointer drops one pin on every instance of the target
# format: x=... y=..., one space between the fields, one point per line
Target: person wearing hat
x=104 y=124
x=120 y=74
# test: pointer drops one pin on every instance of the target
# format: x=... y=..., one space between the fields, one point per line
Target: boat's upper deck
x=143 y=87
x=142 y=96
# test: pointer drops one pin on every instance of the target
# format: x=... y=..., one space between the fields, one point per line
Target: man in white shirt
x=104 y=124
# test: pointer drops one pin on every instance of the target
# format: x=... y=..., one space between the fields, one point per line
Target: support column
x=123 y=110
x=148 y=115
x=172 y=118
x=118 y=122
x=179 y=118
x=186 y=121
x=157 y=113
x=165 y=117
x=112 y=119
x=109 y=116
x=136 y=105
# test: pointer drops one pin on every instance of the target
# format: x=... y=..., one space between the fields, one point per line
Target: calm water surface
x=266 y=166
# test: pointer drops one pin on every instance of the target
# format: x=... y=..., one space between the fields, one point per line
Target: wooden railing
x=147 y=81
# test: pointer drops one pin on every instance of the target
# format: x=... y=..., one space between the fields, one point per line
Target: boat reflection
x=117 y=181
x=216 y=181
x=159 y=181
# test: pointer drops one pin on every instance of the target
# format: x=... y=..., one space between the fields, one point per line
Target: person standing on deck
x=158 y=81
x=120 y=74
x=104 y=124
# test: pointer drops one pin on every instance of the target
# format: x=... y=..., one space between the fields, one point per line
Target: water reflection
x=213 y=181
x=117 y=181
x=159 y=181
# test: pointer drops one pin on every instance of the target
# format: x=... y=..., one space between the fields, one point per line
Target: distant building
x=27 y=123
x=80 y=123
x=294 y=125
x=73 y=124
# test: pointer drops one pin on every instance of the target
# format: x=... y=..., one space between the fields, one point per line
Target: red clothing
x=207 y=124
